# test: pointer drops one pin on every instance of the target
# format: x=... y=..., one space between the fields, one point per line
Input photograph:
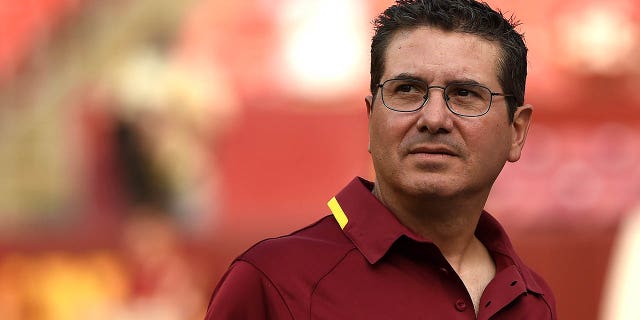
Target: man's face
x=433 y=152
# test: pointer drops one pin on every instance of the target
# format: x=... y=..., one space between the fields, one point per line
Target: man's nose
x=435 y=116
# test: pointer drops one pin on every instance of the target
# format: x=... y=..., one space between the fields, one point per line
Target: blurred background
x=146 y=143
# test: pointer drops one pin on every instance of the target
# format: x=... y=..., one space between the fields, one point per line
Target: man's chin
x=432 y=189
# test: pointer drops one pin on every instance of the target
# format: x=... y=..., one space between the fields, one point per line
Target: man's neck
x=449 y=223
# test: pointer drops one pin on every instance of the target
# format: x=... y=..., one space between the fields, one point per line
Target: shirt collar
x=373 y=229
x=495 y=239
x=366 y=221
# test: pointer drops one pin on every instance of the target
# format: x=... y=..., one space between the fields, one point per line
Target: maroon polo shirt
x=362 y=263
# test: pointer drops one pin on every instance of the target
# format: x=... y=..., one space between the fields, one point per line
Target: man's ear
x=369 y=102
x=519 y=130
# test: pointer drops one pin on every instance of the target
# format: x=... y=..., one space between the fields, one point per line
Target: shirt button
x=461 y=305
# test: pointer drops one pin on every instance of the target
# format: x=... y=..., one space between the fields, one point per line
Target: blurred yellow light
x=620 y=301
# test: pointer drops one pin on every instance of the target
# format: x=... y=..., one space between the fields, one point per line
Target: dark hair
x=467 y=16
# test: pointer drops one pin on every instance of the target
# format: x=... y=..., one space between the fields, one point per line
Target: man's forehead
x=429 y=49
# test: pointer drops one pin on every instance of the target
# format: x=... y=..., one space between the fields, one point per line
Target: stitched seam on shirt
x=315 y=286
x=292 y=234
x=272 y=283
x=548 y=306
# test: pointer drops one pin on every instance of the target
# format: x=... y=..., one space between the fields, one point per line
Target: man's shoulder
x=311 y=250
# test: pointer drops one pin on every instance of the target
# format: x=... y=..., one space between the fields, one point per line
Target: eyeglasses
x=463 y=99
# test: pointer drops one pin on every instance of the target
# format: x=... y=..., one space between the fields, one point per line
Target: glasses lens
x=403 y=95
x=468 y=99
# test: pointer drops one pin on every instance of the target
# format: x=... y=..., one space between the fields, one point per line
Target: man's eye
x=463 y=93
x=406 y=88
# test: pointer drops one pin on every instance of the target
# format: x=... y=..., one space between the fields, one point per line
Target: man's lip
x=432 y=150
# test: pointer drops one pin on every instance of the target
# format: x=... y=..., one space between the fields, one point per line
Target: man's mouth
x=433 y=149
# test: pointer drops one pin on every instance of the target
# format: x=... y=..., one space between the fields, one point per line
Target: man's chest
x=408 y=291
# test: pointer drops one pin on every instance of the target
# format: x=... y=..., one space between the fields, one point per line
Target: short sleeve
x=244 y=292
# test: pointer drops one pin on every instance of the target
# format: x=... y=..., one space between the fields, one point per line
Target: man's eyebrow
x=463 y=80
x=408 y=76
x=413 y=77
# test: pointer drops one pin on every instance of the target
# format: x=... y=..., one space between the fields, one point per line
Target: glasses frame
x=444 y=96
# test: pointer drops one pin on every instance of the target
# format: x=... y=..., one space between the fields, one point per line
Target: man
x=446 y=112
